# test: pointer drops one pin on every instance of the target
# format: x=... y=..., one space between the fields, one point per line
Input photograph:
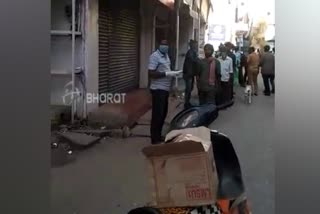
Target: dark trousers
x=231 y=85
x=226 y=92
x=245 y=79
x=206 y=97
x=240 y=76
x=159 y=113
x=267 y=80
x=189 y=82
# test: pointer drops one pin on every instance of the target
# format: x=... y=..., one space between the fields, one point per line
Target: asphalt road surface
x=251 y=130
x=110 y=177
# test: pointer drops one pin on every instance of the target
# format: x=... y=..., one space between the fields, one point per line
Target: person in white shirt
x=239 y=54
x=226 y=65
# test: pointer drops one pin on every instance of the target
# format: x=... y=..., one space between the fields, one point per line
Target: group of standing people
x=214 y=76
x=257 y=62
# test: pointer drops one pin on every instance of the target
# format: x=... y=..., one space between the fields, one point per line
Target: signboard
x=217 y=32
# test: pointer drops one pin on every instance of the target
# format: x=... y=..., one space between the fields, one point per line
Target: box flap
x=199 y=134
x=184 y=141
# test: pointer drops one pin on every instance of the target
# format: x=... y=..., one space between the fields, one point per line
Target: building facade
x=68 y=54
x=113 y=42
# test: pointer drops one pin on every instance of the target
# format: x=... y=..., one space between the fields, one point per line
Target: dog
x=248 y=94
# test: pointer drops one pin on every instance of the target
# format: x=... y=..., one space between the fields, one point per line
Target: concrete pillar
x=92 y=50
x=147 y=9
x=186 y=29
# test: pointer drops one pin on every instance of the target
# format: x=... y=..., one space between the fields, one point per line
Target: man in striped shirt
x=161 y=79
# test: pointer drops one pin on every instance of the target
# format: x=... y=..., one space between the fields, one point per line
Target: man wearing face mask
x=208 y=76
x=226 y=74
x=160 y=84
x=189 y=67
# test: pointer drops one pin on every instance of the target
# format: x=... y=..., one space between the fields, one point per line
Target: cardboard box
x=182 y=173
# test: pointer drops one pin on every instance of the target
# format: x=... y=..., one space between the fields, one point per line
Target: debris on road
x=61 y=152
x=126 y=132
x=60 y=156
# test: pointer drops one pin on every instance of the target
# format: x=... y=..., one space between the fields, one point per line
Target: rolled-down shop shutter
x=118 y=46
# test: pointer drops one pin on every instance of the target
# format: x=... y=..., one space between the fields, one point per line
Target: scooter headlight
x=188 y=119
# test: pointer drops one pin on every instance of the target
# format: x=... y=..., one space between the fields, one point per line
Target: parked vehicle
x=231 y=189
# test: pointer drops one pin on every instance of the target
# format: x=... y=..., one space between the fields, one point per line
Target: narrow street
x=109 y=178
x=251 y=129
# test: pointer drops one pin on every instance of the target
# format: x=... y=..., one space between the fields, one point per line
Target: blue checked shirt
x=160 y=63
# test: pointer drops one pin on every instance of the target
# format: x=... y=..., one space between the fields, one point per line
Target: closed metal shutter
x=118 y=46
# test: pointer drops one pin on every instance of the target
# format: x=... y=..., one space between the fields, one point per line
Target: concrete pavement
x=110 y=177
x=107 y=179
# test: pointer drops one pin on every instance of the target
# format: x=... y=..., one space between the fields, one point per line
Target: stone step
x=80 y=139
x=113 y=116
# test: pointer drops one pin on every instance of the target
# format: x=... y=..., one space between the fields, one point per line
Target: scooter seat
x=194 y=117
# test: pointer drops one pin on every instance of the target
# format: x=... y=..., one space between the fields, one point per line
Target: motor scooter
x=231 y=189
